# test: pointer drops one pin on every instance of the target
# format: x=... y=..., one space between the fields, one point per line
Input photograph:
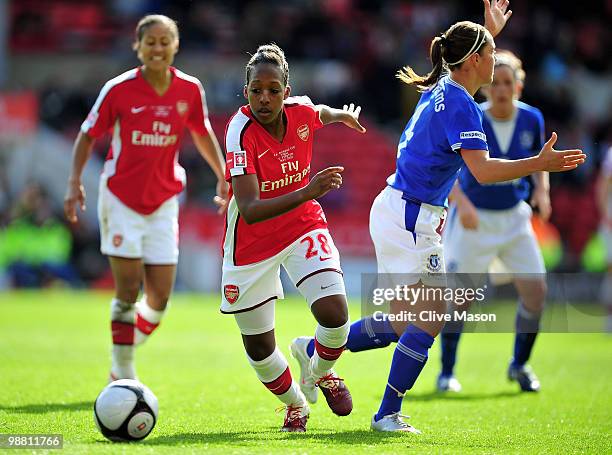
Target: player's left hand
x=221 y=198
x=541 y=200
x=496 y=14
x=352 y=118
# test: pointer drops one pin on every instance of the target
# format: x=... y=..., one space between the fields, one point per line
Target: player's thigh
x=249 y=286
x=256 y=321
x=404 y=257
x=257 y=330
x=158 y=284
x=521 y=255
x=160 y=240
x=313 y=265
x=121 y=228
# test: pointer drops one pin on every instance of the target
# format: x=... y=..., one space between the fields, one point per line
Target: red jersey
x=281 y=167
x=142 y=163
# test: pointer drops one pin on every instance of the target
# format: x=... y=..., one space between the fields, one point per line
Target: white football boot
x=307 y=382
x=448 y=384
x=393 y=422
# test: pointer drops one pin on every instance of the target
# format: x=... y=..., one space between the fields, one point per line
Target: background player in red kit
x=273 y=219
x=147 y=109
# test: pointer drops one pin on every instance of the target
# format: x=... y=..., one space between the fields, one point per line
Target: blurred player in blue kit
x=407 y=217
x=493 y=222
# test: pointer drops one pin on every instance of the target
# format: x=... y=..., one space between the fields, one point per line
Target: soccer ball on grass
x=126 y=410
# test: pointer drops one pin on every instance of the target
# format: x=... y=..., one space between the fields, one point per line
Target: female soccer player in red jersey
x=273 y=220
x=147 y=109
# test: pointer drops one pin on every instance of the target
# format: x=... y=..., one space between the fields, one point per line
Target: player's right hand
x=75 y=194
x=468 y=215
x=559 y=160
x=324 y=181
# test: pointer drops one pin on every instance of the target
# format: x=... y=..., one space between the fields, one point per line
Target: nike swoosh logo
x=262 y=154
x=328 y=286
x=324 y=259
x=136 y=110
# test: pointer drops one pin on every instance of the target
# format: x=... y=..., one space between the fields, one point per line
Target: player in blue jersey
x=493 y=222
x=407 y=217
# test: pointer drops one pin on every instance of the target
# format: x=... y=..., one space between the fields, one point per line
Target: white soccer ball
x=126 y=410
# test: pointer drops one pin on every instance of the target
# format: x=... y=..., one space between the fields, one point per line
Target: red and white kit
x=298 y=239
x=138 y=208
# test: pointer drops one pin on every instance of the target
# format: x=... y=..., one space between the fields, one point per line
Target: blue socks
x=527 y=327
x=365 y=334
x=449 y=342
x=408 y=361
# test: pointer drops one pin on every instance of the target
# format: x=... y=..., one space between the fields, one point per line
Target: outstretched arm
x=496 y=14
x=491 y=170
x=349 y=115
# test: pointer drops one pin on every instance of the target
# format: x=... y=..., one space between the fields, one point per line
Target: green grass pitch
x=54 y=360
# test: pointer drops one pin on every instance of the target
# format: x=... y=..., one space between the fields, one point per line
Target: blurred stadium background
x=56 y=54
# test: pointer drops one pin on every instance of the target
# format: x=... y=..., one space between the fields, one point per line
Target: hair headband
x=477 y=43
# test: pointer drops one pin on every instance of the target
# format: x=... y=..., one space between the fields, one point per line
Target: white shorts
x=317 y=275
x=129 y=234
x=503 y=236
x=407 y=240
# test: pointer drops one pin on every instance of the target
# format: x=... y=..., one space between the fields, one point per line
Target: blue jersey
x=446 y=120
x=526 y=140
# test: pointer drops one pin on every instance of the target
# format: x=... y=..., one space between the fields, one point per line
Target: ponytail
x=448 y=52
x=423 y=83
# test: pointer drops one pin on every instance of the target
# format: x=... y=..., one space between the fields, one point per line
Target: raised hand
x=324 y=181
x=559 y=160
x=351 y=119
x=496 y=15
x=75 y=194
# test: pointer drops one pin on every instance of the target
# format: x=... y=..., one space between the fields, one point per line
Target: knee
x=331 y=311
x=258 y=349
x=536 y=298
x=158 y=301
x=128 y=289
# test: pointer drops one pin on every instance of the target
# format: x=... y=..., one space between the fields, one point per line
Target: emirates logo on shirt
x=303 y=132
x=181 y=107
x=117 y=240
x=231 y=292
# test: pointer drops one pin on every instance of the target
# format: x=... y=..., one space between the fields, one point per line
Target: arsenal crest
x=231 y=292
x=181 y=107
x=117 y=240
x=303 y=132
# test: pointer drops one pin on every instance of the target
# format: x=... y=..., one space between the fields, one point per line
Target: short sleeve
x=240 y=156
x=102 y=115
x=309 y=107
x=464 y=128
x=198 y=121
